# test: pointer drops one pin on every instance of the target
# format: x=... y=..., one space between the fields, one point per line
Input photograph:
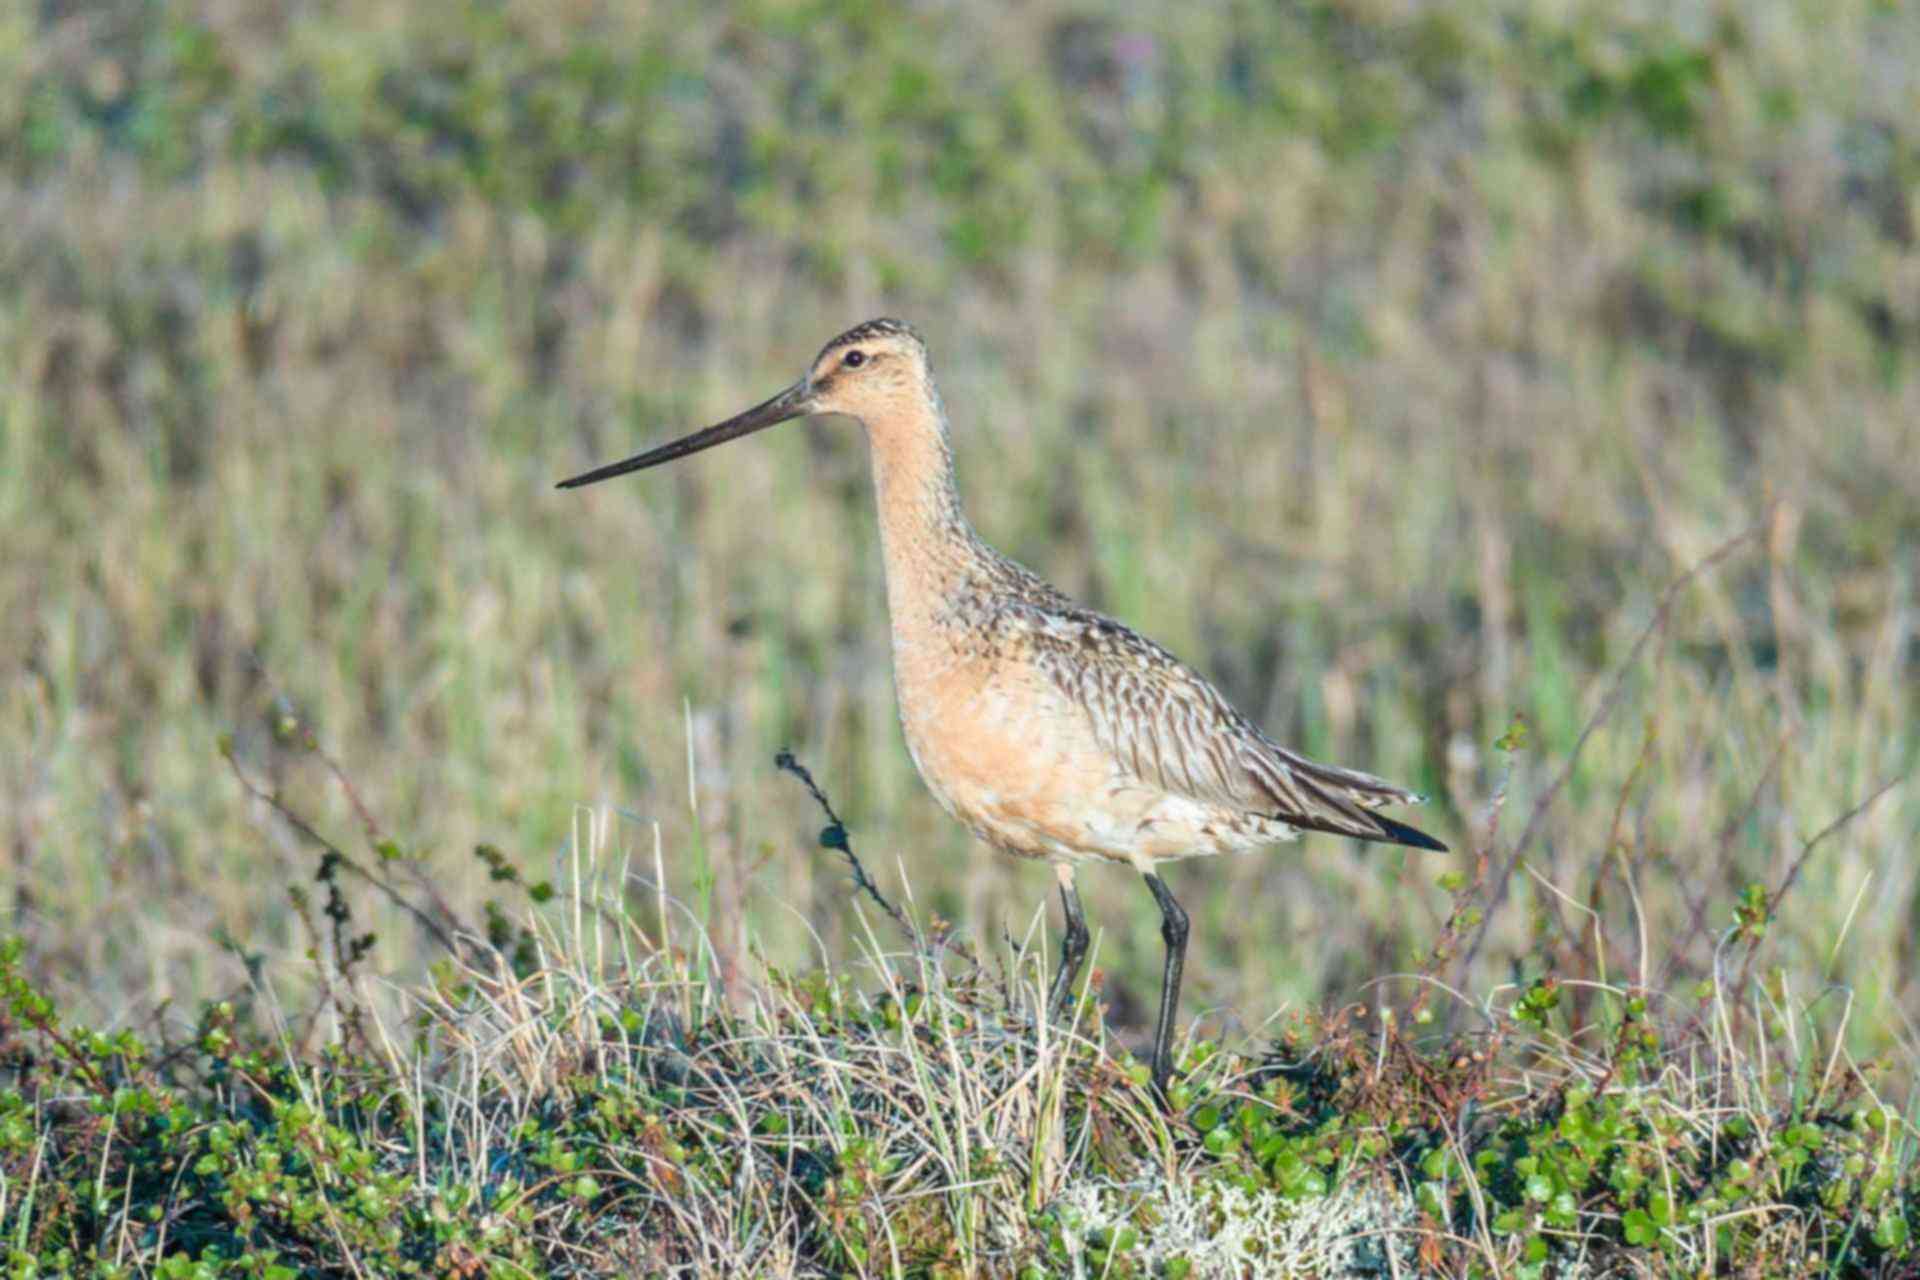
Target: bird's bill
x=790 y=403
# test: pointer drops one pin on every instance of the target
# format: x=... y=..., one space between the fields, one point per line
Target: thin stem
x=835 y=837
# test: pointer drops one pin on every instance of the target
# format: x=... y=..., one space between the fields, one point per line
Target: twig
x=1799 y=863
x=360 y=810
x=835 y=837
x=48 y=1025
x=1467 y=898
x=299 y=731
x=1699 y=904
x=1607 y=703
x=301 y=825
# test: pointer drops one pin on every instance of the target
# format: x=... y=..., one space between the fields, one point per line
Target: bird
x=1049 y=730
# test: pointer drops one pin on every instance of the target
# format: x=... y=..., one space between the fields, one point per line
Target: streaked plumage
x=1049 y=730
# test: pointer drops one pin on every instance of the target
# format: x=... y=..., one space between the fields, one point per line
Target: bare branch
x=835 y=837
x=1668 y=599
x=306 y=829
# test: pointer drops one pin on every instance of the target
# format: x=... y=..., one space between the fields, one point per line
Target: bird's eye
x=853 y=360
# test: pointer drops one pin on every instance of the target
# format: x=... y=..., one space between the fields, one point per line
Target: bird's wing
x=1167 y=727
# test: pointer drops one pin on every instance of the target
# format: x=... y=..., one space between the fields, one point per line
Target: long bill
x=790 y=403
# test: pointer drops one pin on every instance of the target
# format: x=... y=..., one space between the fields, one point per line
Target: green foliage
x=610 y=1134
x=554 y=1115
x=1388 y=366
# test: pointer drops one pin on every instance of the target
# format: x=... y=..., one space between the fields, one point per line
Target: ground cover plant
x=1515 y=400
x=581 y=1091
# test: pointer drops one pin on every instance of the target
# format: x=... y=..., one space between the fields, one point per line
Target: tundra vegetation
x=1513 y=399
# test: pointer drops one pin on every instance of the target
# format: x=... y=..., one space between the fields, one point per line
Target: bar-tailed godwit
x=1050 y=731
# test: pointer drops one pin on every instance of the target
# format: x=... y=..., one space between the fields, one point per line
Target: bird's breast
x=1017 y=761
x=993 y=744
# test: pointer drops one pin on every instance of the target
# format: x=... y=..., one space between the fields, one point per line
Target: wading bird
x=1050 y=731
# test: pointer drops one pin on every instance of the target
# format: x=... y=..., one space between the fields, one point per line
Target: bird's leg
x=1073 y=947
x=1173 y=929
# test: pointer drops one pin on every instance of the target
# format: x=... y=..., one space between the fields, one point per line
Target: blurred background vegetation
x=1388 y=361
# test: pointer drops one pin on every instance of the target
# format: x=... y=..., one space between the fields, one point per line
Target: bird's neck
x=929 y=549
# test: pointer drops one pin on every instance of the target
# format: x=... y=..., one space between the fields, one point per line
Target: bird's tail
x=1320 y=797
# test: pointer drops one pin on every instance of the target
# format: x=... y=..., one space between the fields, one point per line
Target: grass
x=1416 y=374
x=1390 y=383
x=586 y=1097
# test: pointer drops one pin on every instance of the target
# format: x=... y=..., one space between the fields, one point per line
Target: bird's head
x=874 y=372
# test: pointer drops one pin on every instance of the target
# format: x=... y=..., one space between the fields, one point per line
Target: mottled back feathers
x=1169 y=728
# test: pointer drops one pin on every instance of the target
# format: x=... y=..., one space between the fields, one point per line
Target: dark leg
x=1173 y=929
x=1073 y=948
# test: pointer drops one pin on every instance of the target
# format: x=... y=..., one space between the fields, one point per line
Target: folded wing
x=1167 y=727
